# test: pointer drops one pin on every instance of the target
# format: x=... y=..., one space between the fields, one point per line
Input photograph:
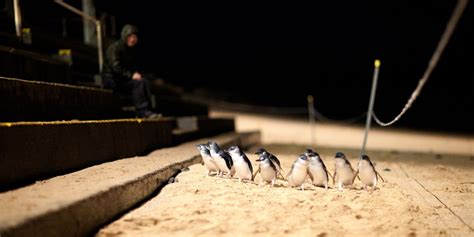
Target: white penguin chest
x=267 y=172
x=298 y=175
x=344 y=174
x=209 y=162
x=214 y=154
x=367 y=175
x=221 y=164
x=242 y=168
x=318 y=173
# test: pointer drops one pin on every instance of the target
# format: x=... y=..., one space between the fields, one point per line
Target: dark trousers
x=137 y=92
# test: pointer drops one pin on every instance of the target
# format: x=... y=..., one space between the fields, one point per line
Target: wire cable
x=460 y=6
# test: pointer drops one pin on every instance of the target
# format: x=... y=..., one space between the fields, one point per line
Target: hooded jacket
x=121 y=60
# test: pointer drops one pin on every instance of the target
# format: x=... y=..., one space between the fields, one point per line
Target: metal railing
x=97 y=26
x=18 y=25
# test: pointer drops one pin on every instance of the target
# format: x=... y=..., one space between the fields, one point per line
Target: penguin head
x=234 y=149
x=303 y=158
x=340 y=155
x=314 y=156
x=213 y=146
x=262 y=158
x=202 y=147
x=365 y=157
x=260 y=151
x=308 y=150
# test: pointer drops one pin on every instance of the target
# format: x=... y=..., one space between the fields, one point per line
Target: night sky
x=275 y=54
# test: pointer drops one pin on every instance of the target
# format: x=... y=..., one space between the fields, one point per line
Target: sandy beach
x=424 y=195
x=429 y=189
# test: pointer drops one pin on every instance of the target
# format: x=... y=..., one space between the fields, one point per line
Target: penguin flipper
x=330 y=175
x=379 y=176
x=280 y=176
x=356 y=174
x=255 y=174
x=289 y=173
x=326 y=169
x=280 y=172
x=310 y=175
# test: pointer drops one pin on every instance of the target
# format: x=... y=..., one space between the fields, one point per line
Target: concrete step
x=79 y=203
x=36 y=150
x=23 y=100
x=21 y=63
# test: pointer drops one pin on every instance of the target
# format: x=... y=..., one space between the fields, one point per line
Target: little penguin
x=367 y=173
x=243 y=166
x=317 y=171
x=222 y=159
x=273 y=159
x=343 y=171
x=298 y=173
x=267 y=169
x=211 y=166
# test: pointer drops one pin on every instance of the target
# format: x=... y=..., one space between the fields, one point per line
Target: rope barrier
x=353 y=119
x=313 y=112
x=460 y=6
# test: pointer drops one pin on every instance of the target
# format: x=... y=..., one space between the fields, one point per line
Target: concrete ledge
x=36 y=150
x=22 y=100
x=25 y=63
x=79 y=203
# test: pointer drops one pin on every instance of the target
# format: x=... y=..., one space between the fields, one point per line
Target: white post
x=311 y=115
x=371 y=106
x=17 y=11
x=99 y=45
x=88 y=26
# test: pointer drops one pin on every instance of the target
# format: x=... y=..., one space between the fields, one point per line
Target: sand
x=428 y=190
x=424 y=195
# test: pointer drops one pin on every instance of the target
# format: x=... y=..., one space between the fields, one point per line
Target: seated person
x=121 y=72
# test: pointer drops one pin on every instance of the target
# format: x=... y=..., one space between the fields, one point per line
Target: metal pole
x=99 y=45
x=17 y=12
x=88 y=27
x=371 y=106
x=311 y=115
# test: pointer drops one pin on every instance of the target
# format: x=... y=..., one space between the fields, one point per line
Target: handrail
x=97 y=25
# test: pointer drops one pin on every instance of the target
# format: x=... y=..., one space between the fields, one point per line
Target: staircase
x=69 y=163
x=72 y=158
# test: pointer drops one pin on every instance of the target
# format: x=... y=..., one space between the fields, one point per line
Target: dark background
x=275 y=54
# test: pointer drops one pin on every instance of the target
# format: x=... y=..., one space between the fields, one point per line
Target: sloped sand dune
x=424 y=195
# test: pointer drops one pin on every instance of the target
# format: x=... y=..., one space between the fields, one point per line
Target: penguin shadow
x=259 y=185
x=278 y=185
x=368 y=190
x=214 y=175
x=307 y=187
